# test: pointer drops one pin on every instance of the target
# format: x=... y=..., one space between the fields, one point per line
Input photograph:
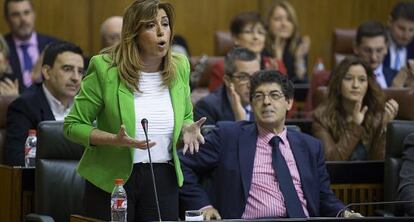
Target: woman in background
x=247 y=31
x=8 y=86
x=351 y=122
x=284 y=43
x=137 y=78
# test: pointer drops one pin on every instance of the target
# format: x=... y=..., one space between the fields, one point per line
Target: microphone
x=373 y=203
x=144 y=124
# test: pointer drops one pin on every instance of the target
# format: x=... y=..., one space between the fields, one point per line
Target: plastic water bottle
x=30 y=149
x=119 y=202
x=319 y=66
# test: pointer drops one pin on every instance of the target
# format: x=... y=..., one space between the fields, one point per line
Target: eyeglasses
x=273 y=95
x=242 y=77
x=371 y=51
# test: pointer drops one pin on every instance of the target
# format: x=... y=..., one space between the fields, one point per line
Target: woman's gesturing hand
x=192 y=136
x=122 y=139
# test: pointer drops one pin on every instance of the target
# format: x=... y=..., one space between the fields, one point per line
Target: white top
x=379 y=76
x=154 y=104
x=402 y=52
x=58 y=109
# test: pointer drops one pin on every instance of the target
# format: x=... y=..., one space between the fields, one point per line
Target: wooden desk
x=16 y=192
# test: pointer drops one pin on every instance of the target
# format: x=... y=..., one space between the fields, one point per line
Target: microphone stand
x=144 y=124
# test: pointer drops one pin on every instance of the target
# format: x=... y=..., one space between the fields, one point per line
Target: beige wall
x=79 y=20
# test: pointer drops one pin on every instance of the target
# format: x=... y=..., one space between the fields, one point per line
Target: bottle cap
x=32 y=132
x=119 y=181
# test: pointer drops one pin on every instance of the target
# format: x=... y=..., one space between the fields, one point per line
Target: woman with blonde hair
x=284 y=43
x=137 y=78
x=351 y=123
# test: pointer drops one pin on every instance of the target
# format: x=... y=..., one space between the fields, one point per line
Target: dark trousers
x=140 y=192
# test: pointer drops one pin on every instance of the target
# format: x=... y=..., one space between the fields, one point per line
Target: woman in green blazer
x=137 y=78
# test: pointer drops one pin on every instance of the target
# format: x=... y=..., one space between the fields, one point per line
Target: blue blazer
x=228 y=156
x=43 y=41
x=24 y=113
x=389 y=75
x=410 y=55
x=216 y=107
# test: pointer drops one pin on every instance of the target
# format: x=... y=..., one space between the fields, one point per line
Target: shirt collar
x=267 y=135
x=54 y=103
x=378 y=70
x=32 y=41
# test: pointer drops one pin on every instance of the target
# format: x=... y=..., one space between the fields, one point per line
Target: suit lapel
x=126 y=108
x=177 y=98
x=247 y=150
x=300 y=152
x=45 y=109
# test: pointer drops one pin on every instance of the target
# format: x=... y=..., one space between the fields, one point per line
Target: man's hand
x=211 y=213
x=236 y=105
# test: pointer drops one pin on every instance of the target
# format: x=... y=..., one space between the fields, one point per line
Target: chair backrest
x=4 y=104
x=397 y=130
x=342 y=44
x=223 y=42
x=59 y=189
x=205 y=70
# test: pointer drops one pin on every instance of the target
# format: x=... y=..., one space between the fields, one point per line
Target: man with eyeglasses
x=260 y=169
x=62 y=70
x=371 y=45
x=231 y=101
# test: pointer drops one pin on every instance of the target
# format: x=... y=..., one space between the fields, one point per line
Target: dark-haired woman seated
x=351 y=123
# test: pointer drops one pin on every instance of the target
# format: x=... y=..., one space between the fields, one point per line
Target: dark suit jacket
x=43 y=40
x=229 y=154
x=410 y=55
x=406 y=187
x=389 y=75
x=216 y=107
x=25 y=113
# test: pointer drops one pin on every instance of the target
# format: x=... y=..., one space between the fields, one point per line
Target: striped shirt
x=154 y=104
x=265 y=198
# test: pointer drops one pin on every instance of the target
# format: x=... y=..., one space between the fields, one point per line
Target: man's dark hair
x=56 y=48
x=6 y=6
x=404 y=10
x=370 y=29
x=237 y=54
x=271 y=76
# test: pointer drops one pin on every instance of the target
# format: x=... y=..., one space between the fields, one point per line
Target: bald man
x=111 y=31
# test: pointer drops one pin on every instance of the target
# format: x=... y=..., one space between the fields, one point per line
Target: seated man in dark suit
x=371 y=45
x=260 y=169
x=401 y=36
x=24 y=42
x=62 y=70
x=231 y=101
x=406 y=187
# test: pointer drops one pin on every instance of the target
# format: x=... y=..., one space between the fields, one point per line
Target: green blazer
x=106 y=99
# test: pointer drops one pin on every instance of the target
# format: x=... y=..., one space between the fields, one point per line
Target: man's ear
x=46 y=71
x=289 y=104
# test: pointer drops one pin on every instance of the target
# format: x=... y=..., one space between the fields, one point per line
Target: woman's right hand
x=9 y=87
x=122 y=139
x=358 y=114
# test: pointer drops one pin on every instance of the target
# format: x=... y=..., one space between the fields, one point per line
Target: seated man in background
x=62 y=71
x=406 y=187
x=111 y=31
x=371 y=45
x=401 y=36
x=231 y=101
x=260 y=169
x=24 y=42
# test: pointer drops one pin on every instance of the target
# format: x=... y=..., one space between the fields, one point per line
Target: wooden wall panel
x=79 y=20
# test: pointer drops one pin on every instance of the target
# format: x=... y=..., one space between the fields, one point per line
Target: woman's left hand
x=192 y=136
x=391 y=111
